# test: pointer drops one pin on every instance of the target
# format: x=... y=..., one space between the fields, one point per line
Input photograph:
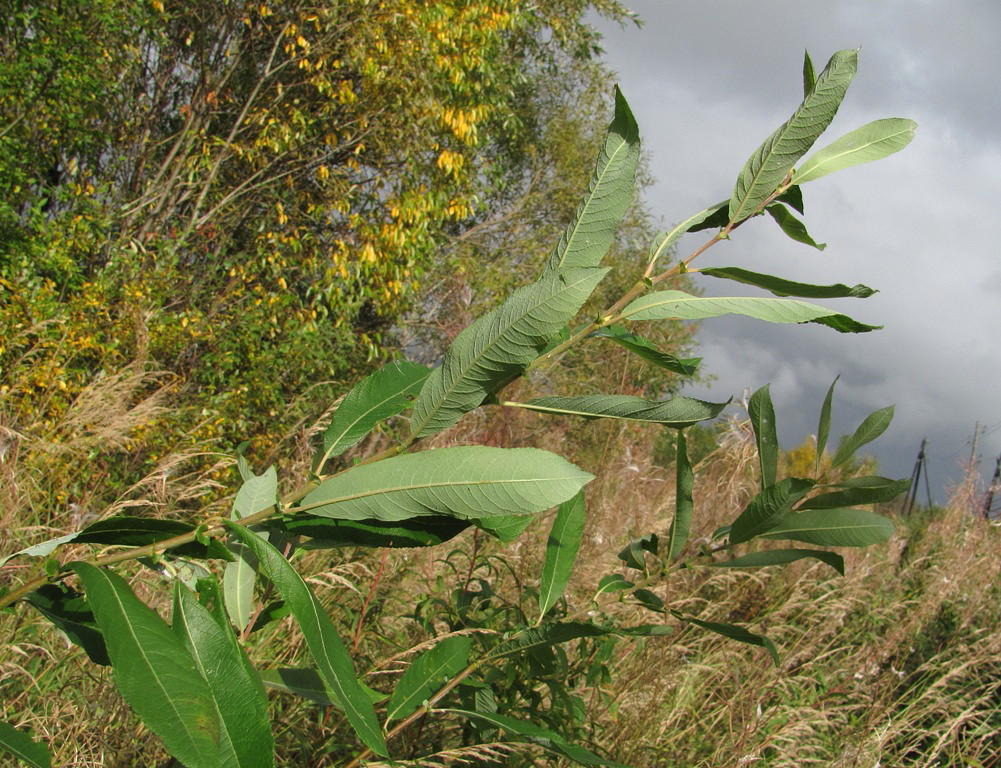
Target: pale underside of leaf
x=873 y=141
x=676 y=412
x=468 y=482
x=497 y=347
x=833 y=528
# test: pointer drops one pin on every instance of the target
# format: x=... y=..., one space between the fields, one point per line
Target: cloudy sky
x=708 y=81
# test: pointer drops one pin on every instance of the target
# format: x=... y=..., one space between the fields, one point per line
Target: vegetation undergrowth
x=423 y=652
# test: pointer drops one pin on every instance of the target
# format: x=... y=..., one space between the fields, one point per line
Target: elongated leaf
x=782 y=557
x=495 y=348
x=69 y=611
x=833 y=528
x=614 y=582
x=42 y=549
x=468 y=482
x=385 y=393
x=649 y=600
x=792 y=226
x=768 y=508
x=534 y=734
x=154 y=671
x=590 y=234
x=142 y=531
x=417 y=532
x=663 y=305
x=768 y=167
x=507 y=528
x=561 y=551
x=257 y=493
x=762 y=414
x=245 y=733
x=714 y=215
x=861 y=490
x=238 y=585
x=332 y=659
x=426 y=675
x=871 y=427
x=646 y=350
x=793 y=197
x=781 y=287
x=824 y=426
x=547 y=635
x=734 y=633
x=873 y=141
x=308 y=684
x=23 y=747
x=809 y=75
x=684 y=507
x=676 y=412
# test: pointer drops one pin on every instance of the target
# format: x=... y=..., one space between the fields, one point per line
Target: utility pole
x=912 y=494
x=973 y=453
x=990 y=491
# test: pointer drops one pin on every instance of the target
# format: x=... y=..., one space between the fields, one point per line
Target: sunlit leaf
x=684 y=507
x=663 y=305
x=245 y=739
x=385 y=393
x=495 y=349
x=332 y=659
x=833 y=528
x=467 y=482
x=561 y=551
x=676 y=412
x=238 y=580
x=714 y=215
x=427 y=674
x=154 y=671
x=871 y=427
x=645 y=349
x=873 y=141
x=734 y=633
x=768 y=508
x=23 y=747
x=590 y=234
x=257 y=493
x=768 y=167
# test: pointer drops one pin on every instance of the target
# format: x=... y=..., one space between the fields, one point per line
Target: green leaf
x=782 y=557
x=833 y=528
x=238 y=580
x=69 y=611
x=561 y=551
x=614 y=582
x=327 y=533
x=824 y=426
x=684 y=507
x=42 y=549
x=426 y=675
x=793 y=197
x=734 y=633
x=792 y=226
x=495 y=349
x=676 y=412
x=809 y=75
x=308 y=684
x=859 y=490
x=546 y=635
x=382 y=395
x=142 y=531
x=781 y=287
x=257 y=493
x=664 y=305
x=468 y=482
x=590 y=234
x=768 y=508
x=762 y=414
x=649 y=600
x=873 y=141
x=506 y=528
x=713 y=216
x=646 y=350
x=534 y=734
x=325 y=646
x=871 y=427
x=154 y=671
x=22 y=746
x=768 y=167
x=633 y=556
x=245 y=734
